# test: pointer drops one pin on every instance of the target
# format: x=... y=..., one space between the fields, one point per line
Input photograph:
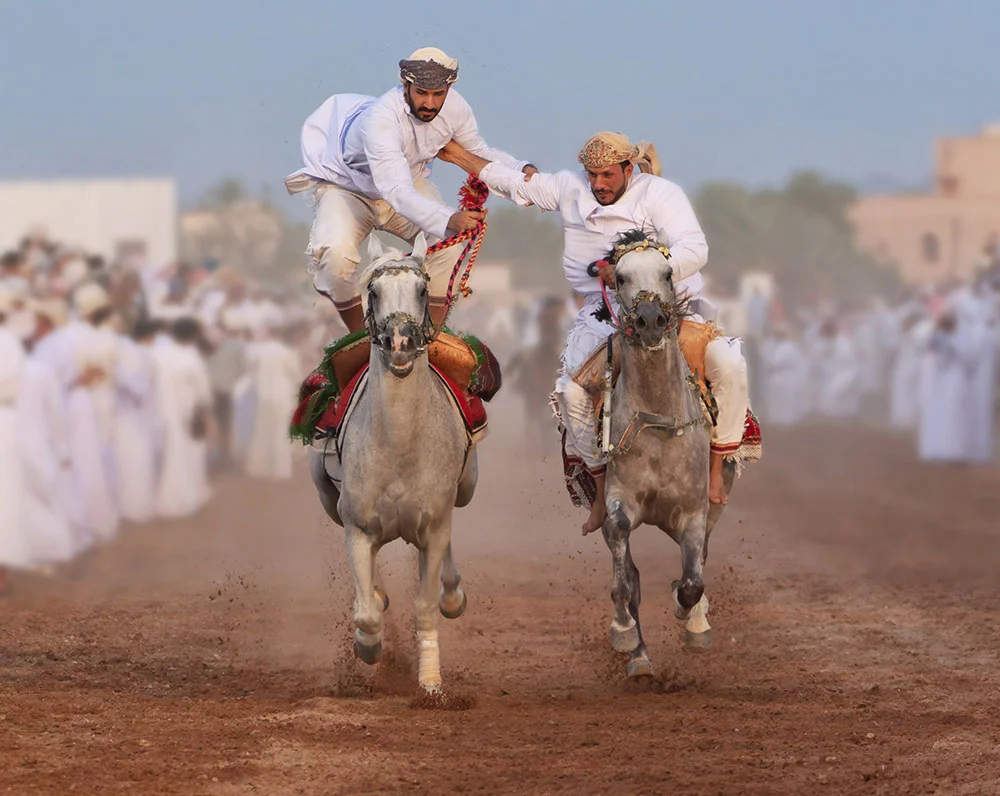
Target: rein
x=471 y=196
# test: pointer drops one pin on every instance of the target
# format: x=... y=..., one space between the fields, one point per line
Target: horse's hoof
x=624 y=639
x=640 y=667
x=381 y=595
x=368 y=653
x=698 y=641
x=450 y=612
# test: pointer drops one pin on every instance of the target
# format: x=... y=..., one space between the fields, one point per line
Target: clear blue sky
x=747 y=90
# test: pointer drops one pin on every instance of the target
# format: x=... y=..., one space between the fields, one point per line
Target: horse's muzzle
x=400 y=343
x=649 y=322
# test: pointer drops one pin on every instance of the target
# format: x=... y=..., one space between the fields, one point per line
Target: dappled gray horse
x=405 y=462
x=659 y=448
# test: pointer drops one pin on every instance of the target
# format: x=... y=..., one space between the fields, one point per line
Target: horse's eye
x=423 y=291
x=622 y=278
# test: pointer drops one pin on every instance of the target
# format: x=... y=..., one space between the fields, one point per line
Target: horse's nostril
x=640 y=322
x=660 y=322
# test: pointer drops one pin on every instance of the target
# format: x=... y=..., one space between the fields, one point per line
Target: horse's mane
x=626 y=239
x=680 y=305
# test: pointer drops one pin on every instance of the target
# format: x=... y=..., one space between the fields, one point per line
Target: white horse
x=404 y=463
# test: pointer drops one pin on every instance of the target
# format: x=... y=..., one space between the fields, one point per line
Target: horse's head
x=398 y=317
x=650 y=309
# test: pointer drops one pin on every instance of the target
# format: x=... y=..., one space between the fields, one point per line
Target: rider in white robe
x=183 y=391
x=277 y=373
x=136 y=426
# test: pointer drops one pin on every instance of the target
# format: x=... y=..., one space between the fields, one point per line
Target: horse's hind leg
x=431 y=557
x=467 y=483
x=453 y=600
x=624 y=629
x=329 y=495
x=638 y=662
x=368 y=607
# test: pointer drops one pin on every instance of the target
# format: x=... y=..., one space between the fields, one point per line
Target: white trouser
x=725 y=372
x=343 y=219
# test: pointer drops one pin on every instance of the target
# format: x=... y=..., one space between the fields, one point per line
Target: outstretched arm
x=527 y=188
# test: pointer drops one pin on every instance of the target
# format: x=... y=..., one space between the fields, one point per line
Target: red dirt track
x=854 y=605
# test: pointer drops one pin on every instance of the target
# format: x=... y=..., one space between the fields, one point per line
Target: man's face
x=608 y=184
x=425 y=103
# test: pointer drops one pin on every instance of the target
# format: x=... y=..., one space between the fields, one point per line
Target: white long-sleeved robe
x=277 y=373
x=44 y=445
x=182 y=387
x=14 y=551
x=136 y=431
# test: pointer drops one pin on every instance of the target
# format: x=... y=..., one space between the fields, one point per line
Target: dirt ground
x=854 y=604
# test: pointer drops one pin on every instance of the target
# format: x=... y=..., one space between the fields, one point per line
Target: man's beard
x=605 y=202
x=423 y=114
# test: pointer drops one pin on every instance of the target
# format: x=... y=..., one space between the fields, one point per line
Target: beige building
x=930 y=237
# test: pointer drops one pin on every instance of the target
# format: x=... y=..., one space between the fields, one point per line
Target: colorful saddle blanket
x=334 y=420
x=465 y=365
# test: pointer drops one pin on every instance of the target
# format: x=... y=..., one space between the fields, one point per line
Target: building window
x=931 y=247
x=949 y=186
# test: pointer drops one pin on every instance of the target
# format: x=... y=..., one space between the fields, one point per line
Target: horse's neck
x=396 y=404
x=654 y=381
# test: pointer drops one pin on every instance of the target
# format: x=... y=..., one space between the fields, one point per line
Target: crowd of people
x=124 y=389
x=925 y=366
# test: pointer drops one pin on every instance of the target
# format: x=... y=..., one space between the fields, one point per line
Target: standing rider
x=597 y=204
x=368 y=162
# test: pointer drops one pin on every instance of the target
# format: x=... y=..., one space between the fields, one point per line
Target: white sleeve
x=467 y=135
x=542 y=190
x=393 y=179
x=678 y=227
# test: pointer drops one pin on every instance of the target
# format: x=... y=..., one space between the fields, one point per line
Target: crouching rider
x=608 y=197
x=368 y=162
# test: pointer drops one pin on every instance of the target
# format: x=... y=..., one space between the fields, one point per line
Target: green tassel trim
x=320 y=400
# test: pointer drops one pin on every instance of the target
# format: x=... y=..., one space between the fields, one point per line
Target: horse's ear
x=375 y=249
x=419 y=248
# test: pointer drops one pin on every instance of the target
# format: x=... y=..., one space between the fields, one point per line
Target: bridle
x=377 y=330
x=625 y=321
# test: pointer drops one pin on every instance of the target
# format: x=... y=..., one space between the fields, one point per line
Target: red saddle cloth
x=470 y=407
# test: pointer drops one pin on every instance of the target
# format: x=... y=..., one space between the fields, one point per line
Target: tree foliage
x=801 y=234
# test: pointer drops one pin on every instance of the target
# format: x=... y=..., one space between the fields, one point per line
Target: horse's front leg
x=617 y=526
x=368 y=607
x=638 y=662
x=431 y=557
x=453 y=600
x=691 y=603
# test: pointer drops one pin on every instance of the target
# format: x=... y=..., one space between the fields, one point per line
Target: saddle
x=466 y=367
x=693 y=338
x=335 y=420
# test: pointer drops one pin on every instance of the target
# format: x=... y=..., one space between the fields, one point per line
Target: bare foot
x=716 y=486
x=598 y=514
